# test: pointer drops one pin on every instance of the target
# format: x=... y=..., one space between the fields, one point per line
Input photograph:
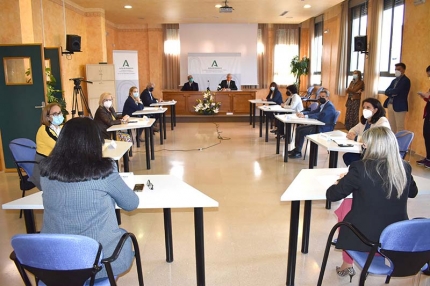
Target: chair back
x=317 y=93
x=57 y=259
x=407 y=245
x=23 y=152
x=336 y=118
x=404 y=139
x=313 y=106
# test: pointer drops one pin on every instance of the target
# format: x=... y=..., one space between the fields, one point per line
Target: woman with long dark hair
x=81 y=188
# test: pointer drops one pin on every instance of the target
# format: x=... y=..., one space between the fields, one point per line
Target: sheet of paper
x=128 y=179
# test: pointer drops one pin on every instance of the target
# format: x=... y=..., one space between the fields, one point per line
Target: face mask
x=288 y=93
x=367 y=113
x=57 y=120
x=191 y=80
x=397 y=73
x=355 y=76
x=107 y=104
x=272 y=88
x=151 y=89
x=135 y=94
x=322 y=100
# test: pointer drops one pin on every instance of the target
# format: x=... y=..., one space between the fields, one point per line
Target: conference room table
x=252 y=104
x=172 y=104
x=137 y=123
x=264 y=109
x=287 y=120
x=168 y=192
x=155 y=110
x=311 y=185
x=115 y=150
x=330 y=141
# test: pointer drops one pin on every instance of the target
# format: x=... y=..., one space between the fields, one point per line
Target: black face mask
x=322 y=100
x=151 y=89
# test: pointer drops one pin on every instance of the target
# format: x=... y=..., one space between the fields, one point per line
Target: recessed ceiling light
x=307 y=6
x=218 y=6
x=128 y=7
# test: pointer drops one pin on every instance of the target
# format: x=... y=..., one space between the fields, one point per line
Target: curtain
x=342 y=71
x=262 y=62
x=171 y=70
x=371 y=77
x=311 y=43
x=286 y=48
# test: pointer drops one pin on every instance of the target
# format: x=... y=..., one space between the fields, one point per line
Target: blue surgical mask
x=191 y=80
x=151 y=89
x=57 y=120
x=135 y=94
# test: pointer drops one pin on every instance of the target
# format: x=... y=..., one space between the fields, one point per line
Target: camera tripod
x=78 y=92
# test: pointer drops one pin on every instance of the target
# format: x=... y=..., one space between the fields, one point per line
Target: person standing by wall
x=397 y=101
x=353 y=102
x=426 y=128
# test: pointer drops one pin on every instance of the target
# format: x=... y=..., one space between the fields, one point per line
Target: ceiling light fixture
x=307 y=6
x=128 y=6
x=283 y=13
x=218 y=6
x=226 y=8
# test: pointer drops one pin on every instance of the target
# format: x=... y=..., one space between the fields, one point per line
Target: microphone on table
x=208 y=89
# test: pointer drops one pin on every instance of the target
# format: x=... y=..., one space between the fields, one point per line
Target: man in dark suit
x=190 y=85
x=397 y=101
x=325 y=113
x=147 y=98
x=228 y=84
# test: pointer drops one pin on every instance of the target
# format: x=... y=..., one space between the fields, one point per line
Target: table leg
x=253 y=115
x=200 y=246
x=137 y=137
x=174 y=114
x=126 y=162
x=312 y=154
x=332 y=163
x=168 y=234
x=261 y=123
x=164 y=125
x=287 y=140
x=250 y=113
x=171 y=118
x=292 y=244
x=278 y=136
x=306 y=226
x=151 y=141
x=30 y=224
x=267 y=128
x=118 y=216
x=148 y=159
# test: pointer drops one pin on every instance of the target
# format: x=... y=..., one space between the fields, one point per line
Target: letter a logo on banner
x=125 y=64
x=214 y=64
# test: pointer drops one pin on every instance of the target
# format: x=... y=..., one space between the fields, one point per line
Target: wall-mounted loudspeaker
x=360 y=44
x=73 y=43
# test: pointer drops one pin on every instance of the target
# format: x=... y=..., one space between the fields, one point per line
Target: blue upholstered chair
x=23 y=151
x=404 y=244
x=404 y=139
x=67 y=260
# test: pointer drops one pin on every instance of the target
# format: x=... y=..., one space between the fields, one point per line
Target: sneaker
x=422 y=162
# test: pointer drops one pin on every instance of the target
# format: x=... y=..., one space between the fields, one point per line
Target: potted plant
x=207 y=105
x=51 y=91
x=299 y=68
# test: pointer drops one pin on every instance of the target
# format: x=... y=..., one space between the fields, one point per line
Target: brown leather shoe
x=156 y=129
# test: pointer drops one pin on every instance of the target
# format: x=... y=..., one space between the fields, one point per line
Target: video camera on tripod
x=78 y=92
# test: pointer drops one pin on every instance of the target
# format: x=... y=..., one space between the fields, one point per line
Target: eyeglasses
x=150 y=185
x=55 y=114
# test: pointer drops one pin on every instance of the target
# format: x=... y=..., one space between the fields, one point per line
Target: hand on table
x=340 y=177
x=350 y=136
x=300 y=115
x=125 y=118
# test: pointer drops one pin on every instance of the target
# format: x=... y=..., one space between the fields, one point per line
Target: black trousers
x=301 y=132
x=426 y=133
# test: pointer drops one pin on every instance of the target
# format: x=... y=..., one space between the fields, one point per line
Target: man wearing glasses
x=325 y=113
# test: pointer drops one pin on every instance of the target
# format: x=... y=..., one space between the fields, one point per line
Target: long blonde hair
x=382 y=147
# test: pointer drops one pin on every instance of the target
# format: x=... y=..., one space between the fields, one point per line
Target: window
x=317 y=45
x=358 y=28
x=286 y=48
x=391 y=40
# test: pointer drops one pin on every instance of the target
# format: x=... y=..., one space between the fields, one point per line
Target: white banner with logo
x=209 y=69
x=126 y=74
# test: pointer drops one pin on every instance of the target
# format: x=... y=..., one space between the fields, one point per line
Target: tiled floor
x=246 y=238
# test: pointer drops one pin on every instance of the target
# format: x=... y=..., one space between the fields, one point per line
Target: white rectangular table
x=156 y=110
x=172 y=104
x=310 y=185
x=330 y=141
x=117 y=150
x=274 y=109
x=252 y=103
x=149 y=138
x=168 y=192
x=289 y=119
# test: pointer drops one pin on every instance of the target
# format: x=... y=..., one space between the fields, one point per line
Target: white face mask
x=367 y=113
x=135 y=94
x=355 y=76
x=107 y=104
x=272 y=88
x=397 y=73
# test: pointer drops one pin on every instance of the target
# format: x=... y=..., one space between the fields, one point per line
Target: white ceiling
x=204 y=11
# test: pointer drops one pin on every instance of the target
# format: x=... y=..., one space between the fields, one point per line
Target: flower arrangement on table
x=207 y=105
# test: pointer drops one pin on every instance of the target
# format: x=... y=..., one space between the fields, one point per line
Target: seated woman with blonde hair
x=381 y=184
x=106 y=116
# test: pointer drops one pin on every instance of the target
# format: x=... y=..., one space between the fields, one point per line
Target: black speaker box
x=360 y=44
x=73 y=43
